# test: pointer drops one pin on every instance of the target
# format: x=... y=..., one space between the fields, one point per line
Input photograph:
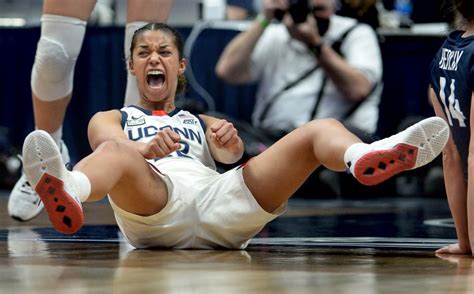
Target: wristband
x=263 y=21
x=316 y=49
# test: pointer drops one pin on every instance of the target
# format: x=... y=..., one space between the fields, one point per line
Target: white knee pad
x=131 y=92
x=60 y=43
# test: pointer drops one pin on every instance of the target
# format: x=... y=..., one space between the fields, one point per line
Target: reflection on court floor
x=330 y=246
x=111 y=234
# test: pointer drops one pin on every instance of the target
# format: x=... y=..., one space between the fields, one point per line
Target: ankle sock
x=351 y=151
x=83 y=183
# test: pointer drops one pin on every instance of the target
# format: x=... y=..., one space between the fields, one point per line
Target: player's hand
x=164 y=143
x=453 y=249
x=224 y=134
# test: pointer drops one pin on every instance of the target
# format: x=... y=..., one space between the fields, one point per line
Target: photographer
x=310 y=63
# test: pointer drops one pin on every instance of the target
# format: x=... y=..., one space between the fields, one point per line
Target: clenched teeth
x=155 y=72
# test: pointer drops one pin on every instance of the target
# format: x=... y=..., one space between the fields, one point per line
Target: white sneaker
x=24 y=204
x=45 y=171
x=416 y=146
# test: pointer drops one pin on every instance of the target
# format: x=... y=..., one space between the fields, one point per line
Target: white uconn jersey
x=142 y=125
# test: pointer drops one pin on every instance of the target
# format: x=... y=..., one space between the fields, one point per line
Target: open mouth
x=155 y=79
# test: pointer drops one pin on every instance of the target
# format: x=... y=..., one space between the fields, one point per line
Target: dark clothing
x=370 y=17
x=452 y=79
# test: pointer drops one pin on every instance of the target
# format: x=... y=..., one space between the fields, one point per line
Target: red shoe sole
x=63 y=211
x=377 y=166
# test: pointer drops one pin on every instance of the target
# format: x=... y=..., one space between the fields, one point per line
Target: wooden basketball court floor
x=318 y=246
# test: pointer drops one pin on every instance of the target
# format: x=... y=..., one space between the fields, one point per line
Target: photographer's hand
x=352 y=82
x=306 y=32
x=270 y=6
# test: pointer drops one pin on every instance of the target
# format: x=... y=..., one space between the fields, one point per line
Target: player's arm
x=470 y=179
x=106 y=126
x=456 y=190
x=224 y=142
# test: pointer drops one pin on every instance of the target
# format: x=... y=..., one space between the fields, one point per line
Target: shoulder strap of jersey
x=336 y=46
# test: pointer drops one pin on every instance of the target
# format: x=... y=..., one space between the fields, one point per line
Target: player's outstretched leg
x=44 y=168
x=414 y=147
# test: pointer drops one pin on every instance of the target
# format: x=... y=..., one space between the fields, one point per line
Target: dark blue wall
x=406 y=62
x=100 y=80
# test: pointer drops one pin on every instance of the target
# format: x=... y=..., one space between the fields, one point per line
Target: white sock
x=352 y=152
x=83 y=183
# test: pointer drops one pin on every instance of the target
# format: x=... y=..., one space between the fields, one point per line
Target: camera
x=298 y=10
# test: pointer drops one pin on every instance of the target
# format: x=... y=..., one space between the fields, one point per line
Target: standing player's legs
x=63 y=27
x=274 y=175
x=62 y=33
x=139 y=13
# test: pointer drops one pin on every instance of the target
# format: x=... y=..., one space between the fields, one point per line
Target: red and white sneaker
x=23 y=202
x=45 y=171
x=416 y=146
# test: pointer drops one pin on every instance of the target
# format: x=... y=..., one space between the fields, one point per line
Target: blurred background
x=410 y=34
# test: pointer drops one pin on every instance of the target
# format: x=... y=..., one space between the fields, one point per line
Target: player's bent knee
x=323 y=124
x=53 y=63
x=116 y=149
x=58 y=48
x=109 y=147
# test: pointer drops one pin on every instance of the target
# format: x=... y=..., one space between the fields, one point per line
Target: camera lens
x=279 y=14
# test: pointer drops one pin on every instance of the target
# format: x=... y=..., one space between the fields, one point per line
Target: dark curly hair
x=465 y=8
x=178 y=42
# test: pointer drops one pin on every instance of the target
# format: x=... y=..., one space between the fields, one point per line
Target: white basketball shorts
x=205 y=210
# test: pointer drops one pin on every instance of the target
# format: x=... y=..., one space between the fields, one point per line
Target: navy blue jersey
x=452 y=79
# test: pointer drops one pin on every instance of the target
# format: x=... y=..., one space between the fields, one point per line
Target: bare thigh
x=144 y=195
x=73 y=8
x=274 y=175
x=149 y=10
x=123 y=173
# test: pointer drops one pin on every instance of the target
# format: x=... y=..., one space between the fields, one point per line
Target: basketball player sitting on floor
x=452 y=93
x=156 y=162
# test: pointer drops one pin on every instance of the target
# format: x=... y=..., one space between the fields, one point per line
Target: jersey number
x=184 y=150
x=451 y=105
